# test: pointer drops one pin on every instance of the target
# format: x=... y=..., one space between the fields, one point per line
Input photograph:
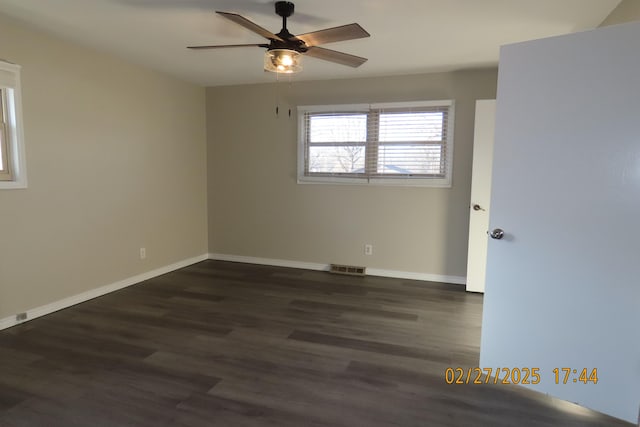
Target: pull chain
x=289 y=86
x=278 y=94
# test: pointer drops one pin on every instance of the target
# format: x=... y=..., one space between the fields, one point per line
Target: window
x=394 y=144
x=12 y=160
x=5 y=171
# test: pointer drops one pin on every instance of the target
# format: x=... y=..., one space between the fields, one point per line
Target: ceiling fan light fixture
x=285 y=61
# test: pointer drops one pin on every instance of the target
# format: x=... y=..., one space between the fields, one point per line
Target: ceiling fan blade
x=222 y=46
x=336 y=34
x=335 y=56
x=241 y=20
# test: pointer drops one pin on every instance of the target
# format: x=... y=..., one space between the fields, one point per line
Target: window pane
x=2 y=168
x=332 y=159
x=338 y=128
x=410 y=159
x=2 y=137
x=418 y=126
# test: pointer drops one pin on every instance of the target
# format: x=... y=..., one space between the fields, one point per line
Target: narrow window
x=13 y=173
x=5 y=170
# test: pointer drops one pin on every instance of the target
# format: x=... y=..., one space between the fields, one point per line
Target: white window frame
x=443 y=182
x=12 y=127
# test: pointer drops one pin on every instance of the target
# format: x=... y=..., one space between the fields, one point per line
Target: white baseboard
x=43 y=310
x=426 y=277
x=457 y=280
x=270 y=261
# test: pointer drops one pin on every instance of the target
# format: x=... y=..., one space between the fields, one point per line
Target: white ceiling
x=407 y=36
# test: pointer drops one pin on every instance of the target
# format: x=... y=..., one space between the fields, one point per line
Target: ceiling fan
x=284 y=49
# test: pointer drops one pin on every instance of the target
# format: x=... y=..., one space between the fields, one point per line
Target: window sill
x=387 y=182
x=13 y=185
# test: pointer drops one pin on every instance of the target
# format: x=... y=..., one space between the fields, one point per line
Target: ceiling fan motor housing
x=284 y=8
x=289 y=41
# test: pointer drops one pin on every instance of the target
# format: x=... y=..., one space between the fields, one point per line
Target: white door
x=563 y=284
x=480 y=193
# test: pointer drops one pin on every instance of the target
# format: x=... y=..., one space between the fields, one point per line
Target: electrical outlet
x=143 y=253
x=368 y=249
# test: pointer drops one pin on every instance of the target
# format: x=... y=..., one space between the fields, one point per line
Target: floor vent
x=350 y=270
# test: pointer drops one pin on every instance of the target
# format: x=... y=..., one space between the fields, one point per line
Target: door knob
x=497 y=233
x=477 y=207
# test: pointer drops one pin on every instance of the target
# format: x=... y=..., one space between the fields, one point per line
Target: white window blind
x=399 y=143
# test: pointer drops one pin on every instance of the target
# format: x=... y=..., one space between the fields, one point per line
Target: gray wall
x=257 y=209
x=626 y=11
x=116 y=161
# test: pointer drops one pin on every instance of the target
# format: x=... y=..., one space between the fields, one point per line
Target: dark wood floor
x=223 y=344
